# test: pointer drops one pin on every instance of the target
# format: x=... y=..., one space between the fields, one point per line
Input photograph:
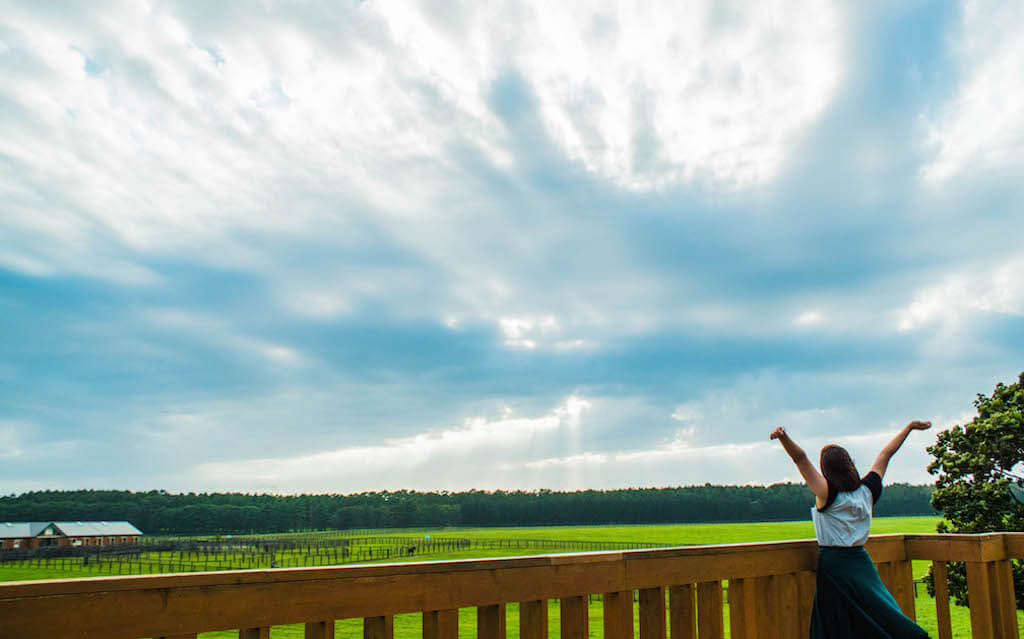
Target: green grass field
x=409 y=626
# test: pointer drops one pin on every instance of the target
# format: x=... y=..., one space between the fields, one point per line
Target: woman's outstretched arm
x=882 y=461
x=815 y=481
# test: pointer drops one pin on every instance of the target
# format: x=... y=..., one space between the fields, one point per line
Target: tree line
x=161 y=512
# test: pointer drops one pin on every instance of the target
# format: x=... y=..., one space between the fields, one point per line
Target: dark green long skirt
x=851 y=602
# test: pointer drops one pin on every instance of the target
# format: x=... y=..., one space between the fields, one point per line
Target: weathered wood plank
x=968 y=548
x=767 y=596
x=617 y=610
x=903 y=579
x=885 y=574
x=940 y=576
x=651 y=573
x=885 y=548
x=807 y=582
x=533 y=619
x=1013 y=543
x=652 y=613
x=1003 y=599
x=382 y=627
x=319 y=630
x=789 y=606
x=171 y=611
x=490 y=622
x=710 y=622
x=575 y=618
x=441 y=624
x=742 y=609
x=682 y=611
x=979 y=598
x=254 y=633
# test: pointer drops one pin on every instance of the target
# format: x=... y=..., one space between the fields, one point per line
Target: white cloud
x=526 y=332
x=216 y=330
x=809 y=318
x=680 y=79
x=566 y=462
x=998 y=289
x=642 y=95
x=758 y=461
x=318 y=304
x=10 y=441
x=23 y=441
x=981 y=130
x=169 y=148
x=424 y=459
x=25 y=264
x=566 y=346
x=687 y=412
x=679 y=450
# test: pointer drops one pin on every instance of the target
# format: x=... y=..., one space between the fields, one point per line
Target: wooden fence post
x=575 y=618
x=652 y=613
x=710 y=622
x=940 y=577
x=742 y=609
x=979 y=598
x=490 y=622
x=1006 y=599
x=441 y=624
x=374 y=628
x=767 y=589
x=533 y=619
x=789 y=606
x=682 y=612
x=903 y=580
x=617 y=609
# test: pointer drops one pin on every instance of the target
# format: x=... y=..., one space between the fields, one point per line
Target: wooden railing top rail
x=705 y=554
x=157 y=605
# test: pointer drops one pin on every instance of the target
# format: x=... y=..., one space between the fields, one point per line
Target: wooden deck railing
x=770 y=589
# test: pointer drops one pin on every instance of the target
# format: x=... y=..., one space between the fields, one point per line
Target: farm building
x=35 y=534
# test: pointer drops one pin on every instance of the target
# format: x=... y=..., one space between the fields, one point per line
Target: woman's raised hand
x=919 y=425
x=778 y=432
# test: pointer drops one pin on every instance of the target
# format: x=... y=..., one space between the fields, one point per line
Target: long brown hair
x=838 y=468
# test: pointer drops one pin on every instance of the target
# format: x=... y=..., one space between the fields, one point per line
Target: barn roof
x=87 y=528
x=22 y=529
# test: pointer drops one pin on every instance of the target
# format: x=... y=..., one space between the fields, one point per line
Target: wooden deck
x=770 y=590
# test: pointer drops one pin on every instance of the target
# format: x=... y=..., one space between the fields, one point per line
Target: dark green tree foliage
x=162 y=512
x=980 y=480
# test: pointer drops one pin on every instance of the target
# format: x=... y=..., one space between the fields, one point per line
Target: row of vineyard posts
x=183 y=554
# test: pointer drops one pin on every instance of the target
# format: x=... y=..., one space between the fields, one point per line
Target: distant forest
x=160 y=512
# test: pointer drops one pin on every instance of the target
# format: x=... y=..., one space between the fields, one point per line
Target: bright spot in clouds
x=809 y=318
x=652 y=94
x=522 y=332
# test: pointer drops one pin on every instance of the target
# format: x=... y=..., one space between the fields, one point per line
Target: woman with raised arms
x=850 y=601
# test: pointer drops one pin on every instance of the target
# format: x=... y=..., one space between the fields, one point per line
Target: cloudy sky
x=334 y=247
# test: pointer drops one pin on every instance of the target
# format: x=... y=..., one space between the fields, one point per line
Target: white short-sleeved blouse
x=845 y=520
